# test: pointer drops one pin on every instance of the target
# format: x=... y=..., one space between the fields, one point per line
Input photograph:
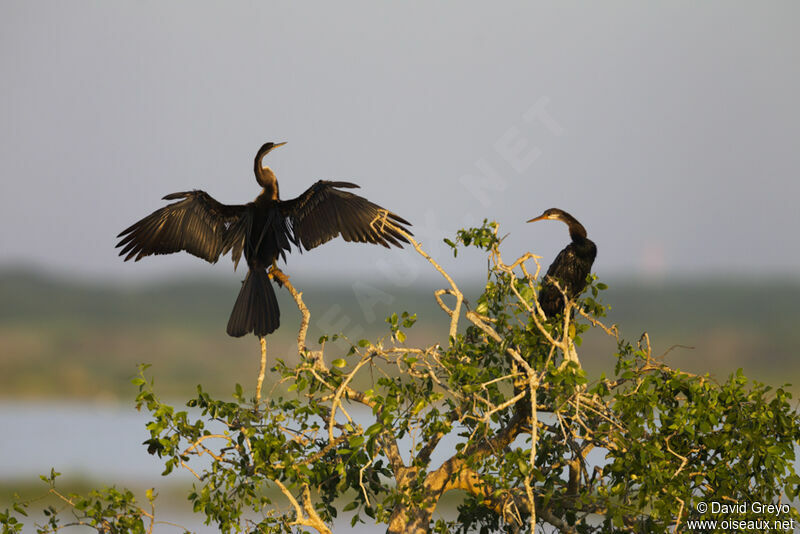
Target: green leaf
x=523 y=466
x=373 y=429
x=350 y=506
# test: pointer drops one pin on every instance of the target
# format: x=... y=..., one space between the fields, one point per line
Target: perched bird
x=570 y=267
x=263 y=230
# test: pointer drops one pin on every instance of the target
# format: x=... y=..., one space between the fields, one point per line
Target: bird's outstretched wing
x=197 y=224
x=323 y=212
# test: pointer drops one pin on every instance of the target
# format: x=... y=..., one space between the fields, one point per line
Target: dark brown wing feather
x=570 y=269
x=197 y=224
x=324 y=212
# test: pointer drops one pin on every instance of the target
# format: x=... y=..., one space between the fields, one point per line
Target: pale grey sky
x=670 y=130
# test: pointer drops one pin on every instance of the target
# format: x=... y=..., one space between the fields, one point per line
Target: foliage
x=503 y=412
x=107 y=510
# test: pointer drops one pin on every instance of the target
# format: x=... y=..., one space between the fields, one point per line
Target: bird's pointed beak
x=539 y=218
x=279 y=144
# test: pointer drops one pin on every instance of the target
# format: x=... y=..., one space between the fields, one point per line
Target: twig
x=610 y=330
x=455 y=313
x=337 y=398
x=263 y=368
x=310 y=518
x=199 y=443
x=298 y=299
x=532 y=385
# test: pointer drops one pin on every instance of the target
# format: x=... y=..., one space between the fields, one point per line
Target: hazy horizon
x=423 y=281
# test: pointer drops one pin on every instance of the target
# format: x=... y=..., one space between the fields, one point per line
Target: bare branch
x=298 y=299
x=304 y=515
x=336 y=403
x=262 y=369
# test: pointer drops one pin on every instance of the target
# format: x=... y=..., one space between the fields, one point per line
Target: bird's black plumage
x=263 y=230
x=571 y=266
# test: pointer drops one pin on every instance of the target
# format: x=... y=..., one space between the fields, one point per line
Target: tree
x=531 y=439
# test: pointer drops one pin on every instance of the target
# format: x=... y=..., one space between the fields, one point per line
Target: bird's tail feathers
x=256 y=309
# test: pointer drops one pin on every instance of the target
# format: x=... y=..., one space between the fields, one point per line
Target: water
x=97 y=441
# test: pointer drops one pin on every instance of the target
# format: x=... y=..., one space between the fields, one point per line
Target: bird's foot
x=276 y=274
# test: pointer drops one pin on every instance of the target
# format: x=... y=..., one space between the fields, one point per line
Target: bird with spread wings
x=263 y=230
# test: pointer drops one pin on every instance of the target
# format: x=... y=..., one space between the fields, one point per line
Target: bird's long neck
x=266 y=179
x=576 y=230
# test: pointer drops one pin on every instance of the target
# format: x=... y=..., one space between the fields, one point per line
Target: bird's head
x=265 y=149
x=576 y=229
x=552 y=214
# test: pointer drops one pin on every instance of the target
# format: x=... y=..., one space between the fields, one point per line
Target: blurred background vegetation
x=73 y=339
